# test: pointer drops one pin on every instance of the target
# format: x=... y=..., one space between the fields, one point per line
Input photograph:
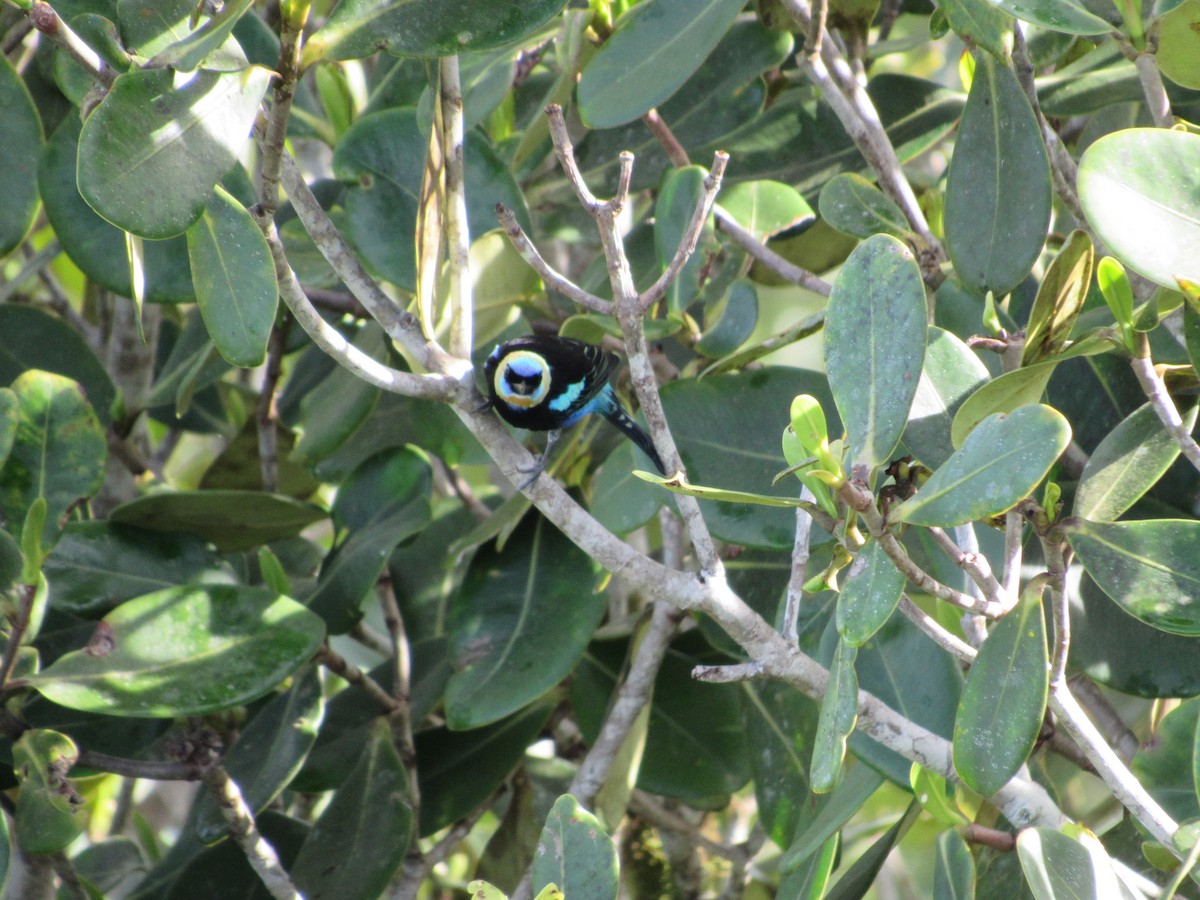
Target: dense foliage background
x=917 y=328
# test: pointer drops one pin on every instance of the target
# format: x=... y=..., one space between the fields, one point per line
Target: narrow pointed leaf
x=575 y=854
x=860 y=783
x=1149 y=568
x=1059 y=299
x=234 y=278
x=1003 y=702
x=366 y=828
x=839 y=712
x=520 y=622
x=869 y=595
x=998 y=465
x=1127 y=463
x=860 y=876
x=998 y=186
x=163 y=655
x=58 y=452
x=176 y=140
x=875 y=344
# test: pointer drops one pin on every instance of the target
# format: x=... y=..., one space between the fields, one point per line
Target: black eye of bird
x=543 y=383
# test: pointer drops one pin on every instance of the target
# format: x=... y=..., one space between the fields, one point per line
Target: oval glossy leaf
x=268 y=751
x=981 y=23
x=518 y=625
x=998 y=465
x=998 y=185
x=94 y=245
x=1003 y=702
x=232 y=520
x=20 y=147
x=49 y=813
x=96 y=565
x=170 y=136
x=58 y=453
x=1149 y=568
x=31 y=338
x=1127 y=463
x=1060 y=299
x=185 y=651
x=780 y=726
x=875 y=344
x=730 y=320
x=1003 y=394
x=951 y=373
x=1140 y=190
x=575 y=853
x=727 y=428
x=1178 y=54
x=367 y=828
x=1058 y=867
x=360 y=28
x=1065 y=16
x=234 y=278
x=765 y=208
x=656 y=47
x=839 y=712
x=869 y=595
x=855 y=206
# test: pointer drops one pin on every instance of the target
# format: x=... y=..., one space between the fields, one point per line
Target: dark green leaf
x=175 y=141
x=58 y=454
x=1057 y=866
x=185 y=651
x=366 y=828
x=518 y=625
x=998 y=186
x=875 y=344
x=954 y=872
x=1126 y=464
x=1065 y=16
x=575 y=854
x=49 y=812
x=677 y=197
x=861 y=875
x=839 y=712
x=998 y=465
x=765 y=208
x=20 y=146
x=234 y=278
x=858 y=785
x=981 y=23
x=951 y=373
x=1140 y=190
x=1150 y=568
x=655 y=49
x=855 y=206
x=1165 y=767
x=730 y=320
x=869 y=595
x=1003 y=702
x=233 y=520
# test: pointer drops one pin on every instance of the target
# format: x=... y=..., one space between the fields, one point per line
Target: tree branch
x=458 y=238
x=1160 y=400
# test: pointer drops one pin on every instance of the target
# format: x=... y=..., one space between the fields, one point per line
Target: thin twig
x=952 y=644
x=552 y=278
x=458 y=238
x=795 y=587
x=274 y=133
x=266 y=417
x=1160 y=400
x=156 y=770
x=785 y=269
x=976 y=566
x=70 y=879
x=388 y=704
x=48 y=22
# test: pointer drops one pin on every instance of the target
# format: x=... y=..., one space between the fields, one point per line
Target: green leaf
x=859 y=785
x=49 y=812
x=677 y=485
x=869 y=595
x=1118 y=294
x=998 y=465
x=875 y=344
x=189 y=52
x=96 y=565
x=1003 y=702
x=1140 y=190
x=936 y=796
x=1127 y=463
x=575 y=854
x=839 y=712
x=1056 y=866
x=1064 y=16
x=157 y=27
x=730 y=320
x=855 y=206
x=360 y=28
x=954 y=869
x=519 y=623
x=366 y=827
x=1003 y=394
x=677 y=198
x=656 y=47
x=859 y=877
x=1178 y=53
x=268 y=752
x=727 y=428
x=1060 y=299
x=184 y=651
x=765 y=208
x=1165 y=766
x=20 y=146
x=461 y=769
x=175 y=140
x=1149 y=568
x=58 y=453
x=232 y=520
x=385 y=501
x=235 y=279
x=981 y=23
x=998 y=185
x=10 y=419
x=951 y=373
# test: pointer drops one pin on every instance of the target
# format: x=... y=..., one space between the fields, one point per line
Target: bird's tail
x=612 y=410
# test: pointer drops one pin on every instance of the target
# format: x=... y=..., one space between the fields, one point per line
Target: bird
x=548 y=383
